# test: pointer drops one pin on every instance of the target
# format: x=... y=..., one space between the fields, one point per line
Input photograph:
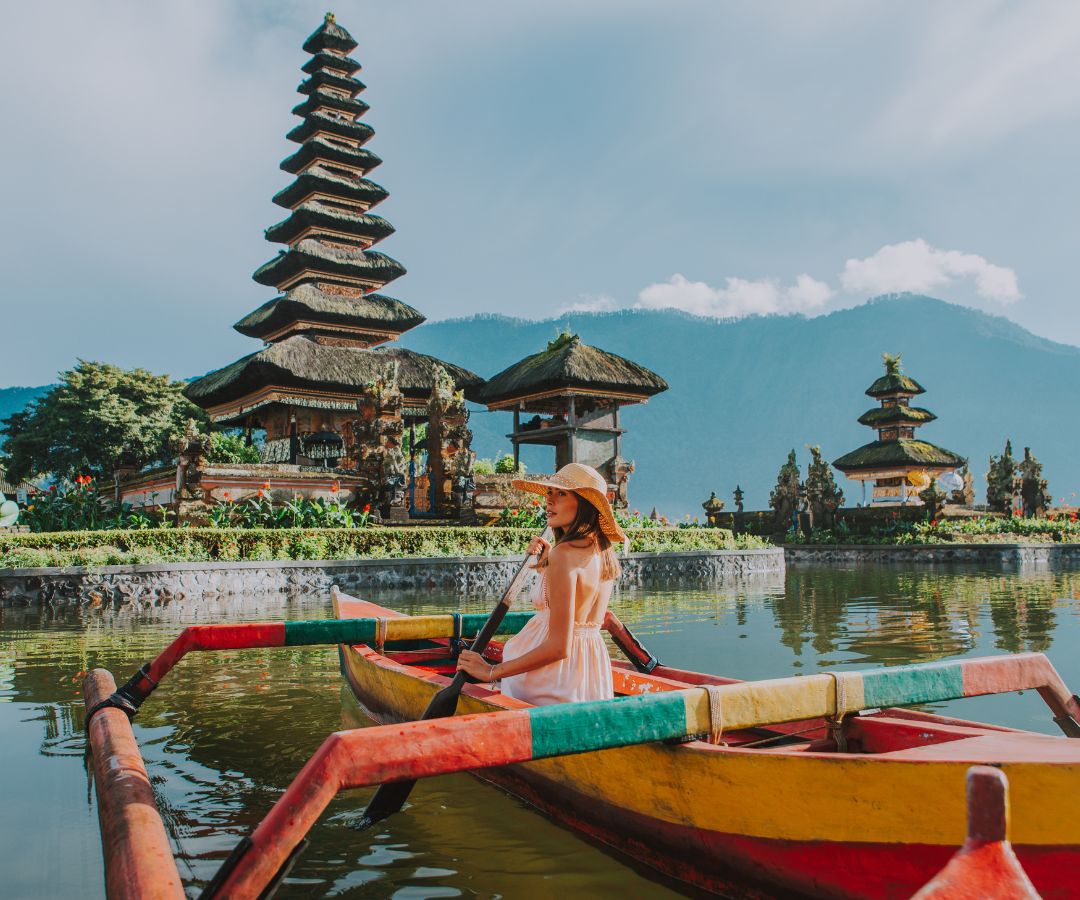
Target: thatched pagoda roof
x=881 y=416
x=327 y=100
x=323 y=79
x=319 y=179
x=894 y=381
x=313 y=214
x=566 y=364
x=898 y=454
x=330 y=36
x=303 y=363
x=306 y=302
x=317 y=122
x=319 y=148
x=369 y=266
x=323 y=60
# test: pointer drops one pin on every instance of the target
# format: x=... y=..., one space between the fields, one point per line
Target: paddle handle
x=631 y=647
x=484 y=636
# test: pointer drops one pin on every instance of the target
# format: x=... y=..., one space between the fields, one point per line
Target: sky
x=542 y=157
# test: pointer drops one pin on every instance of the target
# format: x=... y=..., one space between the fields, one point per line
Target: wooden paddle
x=389 y=798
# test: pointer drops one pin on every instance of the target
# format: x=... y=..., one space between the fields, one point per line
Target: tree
x=785 y=496
x=1001 y=481
x=97 y=418
x=823 y=497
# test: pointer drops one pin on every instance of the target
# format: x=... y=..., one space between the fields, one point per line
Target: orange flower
x=262 y=493
x=227 y=496
x=334 y=488
x=266 y=485
x=536 y=503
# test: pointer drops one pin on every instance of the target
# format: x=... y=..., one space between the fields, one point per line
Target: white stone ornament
x=950 y=481
x=9 y=512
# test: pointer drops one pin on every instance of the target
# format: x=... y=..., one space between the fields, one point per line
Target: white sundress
x=585 y=674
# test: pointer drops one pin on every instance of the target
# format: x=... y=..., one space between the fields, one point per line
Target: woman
x=560 y=656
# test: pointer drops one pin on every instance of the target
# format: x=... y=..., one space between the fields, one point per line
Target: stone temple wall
x=179 y=583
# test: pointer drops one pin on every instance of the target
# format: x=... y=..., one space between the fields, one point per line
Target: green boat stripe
x=363 y=631
x=512 y=623
x=583 y=727
x=330 y=631
x=901 y=685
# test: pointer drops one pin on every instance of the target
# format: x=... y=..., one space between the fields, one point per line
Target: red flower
x=266 y=485
x=933 y=522
x=367 y=507
x=227 y=496
x=536 y=503
x=262 y=493
x=334 y=488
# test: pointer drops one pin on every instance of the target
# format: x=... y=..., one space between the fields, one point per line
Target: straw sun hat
x=587 y=483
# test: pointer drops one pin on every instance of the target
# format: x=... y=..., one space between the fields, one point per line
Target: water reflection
x=226 y=733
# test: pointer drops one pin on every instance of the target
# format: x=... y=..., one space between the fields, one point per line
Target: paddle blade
x=389 y=798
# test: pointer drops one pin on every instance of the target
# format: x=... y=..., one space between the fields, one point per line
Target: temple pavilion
x=573 y=393
x=898 y=464
x=322 y=383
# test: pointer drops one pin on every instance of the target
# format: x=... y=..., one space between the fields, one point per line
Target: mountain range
x=744 y=392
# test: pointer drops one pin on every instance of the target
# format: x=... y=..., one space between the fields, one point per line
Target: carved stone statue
x=1034 y=496
x=712 y=508
x=823 y=497
x=784 y=498
x=738 y=499
x=619 y=471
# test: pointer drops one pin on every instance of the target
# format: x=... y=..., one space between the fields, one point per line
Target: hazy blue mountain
x=744 y=392
x=14 y=399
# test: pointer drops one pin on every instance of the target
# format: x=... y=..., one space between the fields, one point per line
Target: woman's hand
x=475 y=665
x=539 y=548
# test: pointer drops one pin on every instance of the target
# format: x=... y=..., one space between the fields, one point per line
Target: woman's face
x=562 y=507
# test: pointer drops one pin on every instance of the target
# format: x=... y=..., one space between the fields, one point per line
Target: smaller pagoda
x=898 y=464
x=574 y=393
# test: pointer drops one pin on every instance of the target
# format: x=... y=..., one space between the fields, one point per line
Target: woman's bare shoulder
x=568 y=557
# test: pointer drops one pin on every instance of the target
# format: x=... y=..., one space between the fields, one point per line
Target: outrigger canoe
x=867 y=802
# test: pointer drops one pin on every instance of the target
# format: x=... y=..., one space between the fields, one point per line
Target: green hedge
x=100 y=548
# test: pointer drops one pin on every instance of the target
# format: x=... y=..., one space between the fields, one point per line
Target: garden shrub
x=163 y=545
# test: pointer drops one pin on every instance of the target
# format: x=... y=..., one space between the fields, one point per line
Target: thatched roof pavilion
x=896 y=456
x=567 y=367
x=580 y=388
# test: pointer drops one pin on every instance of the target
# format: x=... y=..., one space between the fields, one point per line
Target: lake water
x=226 y=732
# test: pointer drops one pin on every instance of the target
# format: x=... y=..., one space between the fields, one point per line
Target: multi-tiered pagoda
x=311 y=387
x=898 y=464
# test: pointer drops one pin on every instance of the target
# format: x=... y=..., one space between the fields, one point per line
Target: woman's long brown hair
x=586 y=526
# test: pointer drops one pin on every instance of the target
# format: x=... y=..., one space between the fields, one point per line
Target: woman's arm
x=561 y=591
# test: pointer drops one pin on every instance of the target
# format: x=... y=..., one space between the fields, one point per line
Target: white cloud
x=916 y=266
x=589 y=303
x=738 y=297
